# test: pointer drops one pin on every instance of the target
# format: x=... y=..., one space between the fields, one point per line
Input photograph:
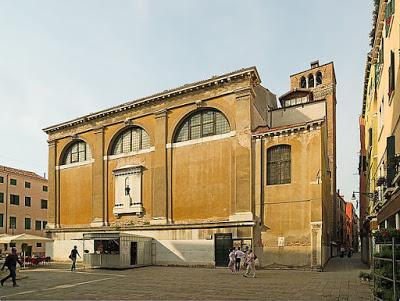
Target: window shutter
x=390 y=152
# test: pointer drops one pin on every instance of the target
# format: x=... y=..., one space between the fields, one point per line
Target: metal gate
x=222 y=243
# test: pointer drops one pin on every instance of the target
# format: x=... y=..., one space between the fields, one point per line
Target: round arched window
x=303 y=82
x=78 y=151
x=131 y=140
x=311 y=81
x=319 y=78
x=201 y=124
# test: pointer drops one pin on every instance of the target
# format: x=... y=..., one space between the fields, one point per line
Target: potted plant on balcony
x=386 y=235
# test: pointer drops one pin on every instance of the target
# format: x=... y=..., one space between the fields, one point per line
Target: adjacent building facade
x=23 y=205
x=201 y=168
x=379 y=127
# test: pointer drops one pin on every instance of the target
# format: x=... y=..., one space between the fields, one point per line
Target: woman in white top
x=232 y=258
x=251 y=265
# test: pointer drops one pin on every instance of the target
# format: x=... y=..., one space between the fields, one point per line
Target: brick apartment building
x=23 y=205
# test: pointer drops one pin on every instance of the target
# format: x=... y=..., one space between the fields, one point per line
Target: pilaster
x=52 y=215
x=160 y=181
x=241 y=207
x=98 y=179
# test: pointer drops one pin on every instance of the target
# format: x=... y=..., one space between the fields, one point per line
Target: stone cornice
x=287 y=130
x=207 y=225
x=188 y=88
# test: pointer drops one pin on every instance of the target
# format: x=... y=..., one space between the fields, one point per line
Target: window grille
x=278 y=165
x=77 y=152
x=131 y=140
x=202 y=124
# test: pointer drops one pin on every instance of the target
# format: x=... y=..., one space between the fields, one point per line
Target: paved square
x=338 y=282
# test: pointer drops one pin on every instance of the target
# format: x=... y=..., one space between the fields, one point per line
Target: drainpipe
x=262 y=180
x=6 y=201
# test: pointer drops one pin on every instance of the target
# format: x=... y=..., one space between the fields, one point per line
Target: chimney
x=314 y=64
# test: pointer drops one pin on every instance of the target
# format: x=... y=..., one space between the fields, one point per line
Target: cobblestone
x=339 y=281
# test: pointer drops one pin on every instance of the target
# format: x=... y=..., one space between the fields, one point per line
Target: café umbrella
x=23 y=238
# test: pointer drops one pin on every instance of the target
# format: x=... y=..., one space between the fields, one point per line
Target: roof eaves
x=378 y=31
x=290 y=127
x=215 y=80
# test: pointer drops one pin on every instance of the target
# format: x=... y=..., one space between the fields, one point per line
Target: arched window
x=311 y=81
x=303 y=82
x=319 y=78
x=78 y=151
x=278 y=165
x=131 y=140
x=201 y=124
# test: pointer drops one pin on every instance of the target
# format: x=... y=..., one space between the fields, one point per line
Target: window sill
x=134 y=208
x=72 y=165
x=123 y=155
x=202 y=140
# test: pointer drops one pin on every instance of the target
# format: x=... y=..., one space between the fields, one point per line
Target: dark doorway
x=133 y=253
x=223 y=242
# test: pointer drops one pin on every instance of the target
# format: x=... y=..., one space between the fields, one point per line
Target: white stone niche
x=128 y=190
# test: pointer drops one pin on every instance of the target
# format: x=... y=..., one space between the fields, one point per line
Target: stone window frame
x=43 y=204
x=28 y=201
x=197 y=125
x=279 y=164
x=26 y=220
x=311 y=80
x=318 y=78
x=11 y=224
x=14 y=199
x=38 y=225
x=303 y=82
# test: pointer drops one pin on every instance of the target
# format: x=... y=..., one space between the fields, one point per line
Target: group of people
x=236 y=256
x=12 y=260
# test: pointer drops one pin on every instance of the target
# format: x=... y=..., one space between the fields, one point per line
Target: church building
x=199 y=169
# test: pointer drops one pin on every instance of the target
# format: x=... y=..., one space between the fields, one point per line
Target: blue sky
x=63 y=59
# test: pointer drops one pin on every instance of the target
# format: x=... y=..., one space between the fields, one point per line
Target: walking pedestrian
x=72 y=256
x=11 y=264
x=251 y=265
x=246 y=252
x=232 y=259
x=239 y=255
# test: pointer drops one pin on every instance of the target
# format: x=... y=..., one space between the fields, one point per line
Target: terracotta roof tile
x=21 y=172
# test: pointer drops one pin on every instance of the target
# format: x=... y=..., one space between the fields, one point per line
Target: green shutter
x=390 y=152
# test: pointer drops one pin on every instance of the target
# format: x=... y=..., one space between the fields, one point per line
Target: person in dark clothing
x=72 y=256
x=11 y=264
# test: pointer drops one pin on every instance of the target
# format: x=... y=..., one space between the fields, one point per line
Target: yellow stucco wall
x=204 y=181
x=201 y=181
x=76 y=196
x=290 y=209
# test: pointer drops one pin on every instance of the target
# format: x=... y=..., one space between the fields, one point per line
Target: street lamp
x=369 y=195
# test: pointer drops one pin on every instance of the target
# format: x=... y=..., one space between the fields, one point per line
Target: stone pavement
x=339 y=281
